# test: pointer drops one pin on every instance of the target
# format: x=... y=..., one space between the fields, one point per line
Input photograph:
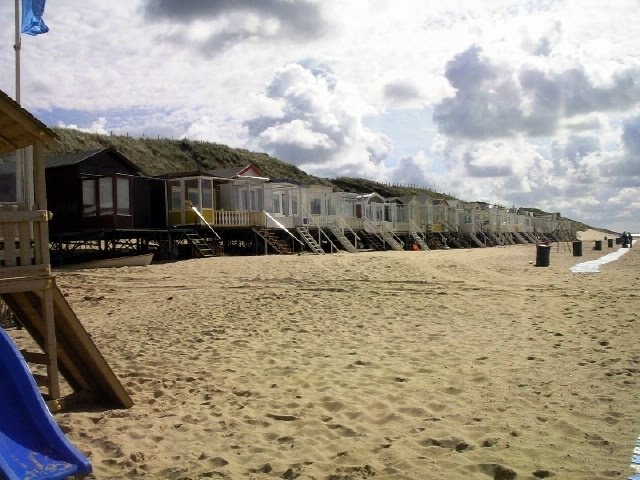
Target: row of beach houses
x=240 y=210
x=100 y=201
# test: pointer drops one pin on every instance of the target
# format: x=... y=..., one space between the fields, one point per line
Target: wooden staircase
x=383 y=234
x=419 y=241
x=391 y=240
x=309 y=240
x=342 y=238
x=508 y=239
x=496 y=238
x=273 y=240
x=476 y=240
x=487 y=239
x=200 y=246
x=373 y=240
x=452 y=239
x=520 y=238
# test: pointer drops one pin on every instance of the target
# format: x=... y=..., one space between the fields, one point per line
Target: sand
x=394 y=365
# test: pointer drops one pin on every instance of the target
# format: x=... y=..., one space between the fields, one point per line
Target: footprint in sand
x=342 y=430
x=456 y=444
x=497 y=471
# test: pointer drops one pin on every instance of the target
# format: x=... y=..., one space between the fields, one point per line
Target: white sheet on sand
x=592 y=265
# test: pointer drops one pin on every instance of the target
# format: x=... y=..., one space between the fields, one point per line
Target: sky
x=519 y=103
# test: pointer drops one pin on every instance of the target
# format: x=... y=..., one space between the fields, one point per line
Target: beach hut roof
x=370 y=196
x=78 y=157
x=191 y=173
x=235 y=172
x=18 y=128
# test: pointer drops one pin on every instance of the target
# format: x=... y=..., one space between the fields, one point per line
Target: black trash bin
x=543 y=252
x=577 y=248
x=598 y=245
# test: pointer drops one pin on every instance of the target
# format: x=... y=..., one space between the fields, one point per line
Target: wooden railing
x=239 y=218
x=24 y=246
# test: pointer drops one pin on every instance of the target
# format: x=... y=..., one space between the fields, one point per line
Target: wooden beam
x=35 y=357
x=11 y=285
x=24 y=119
x=26 y=307
x=23 y=271
x=40 y=186
x=18 y=216
x=50 y=341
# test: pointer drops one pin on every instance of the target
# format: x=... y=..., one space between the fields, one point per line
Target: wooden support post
x=40 y=194
x=50 y=341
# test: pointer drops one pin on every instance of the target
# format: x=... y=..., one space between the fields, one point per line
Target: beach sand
x=399 y=365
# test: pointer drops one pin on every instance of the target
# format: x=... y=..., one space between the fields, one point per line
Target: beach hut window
x=176 y=197
x=207 y=194
x=105 y=189
x=285 y=204
x=242 y=199
x=331 y=206
x=294 y=204
x=89 y=198
x=122 y=201
x=193 y=192
x=8 y=181
x=277 y=203
x=252 y=201
x=316 y=206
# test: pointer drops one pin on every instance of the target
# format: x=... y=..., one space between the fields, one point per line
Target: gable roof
x=367 y=197
x=70 y=158
x=78 y=157
x=234 y=172
x=20 y=129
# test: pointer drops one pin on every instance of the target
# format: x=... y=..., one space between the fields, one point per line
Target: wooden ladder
x=342 y=238
x=520 y=237
x=309 y=240
x=476 y=240
x=419 y=240
x=373 y=240
x=273 y=240
x=198 y=243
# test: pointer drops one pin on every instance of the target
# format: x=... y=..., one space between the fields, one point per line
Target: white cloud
x=296 y=133
x=318 y=128
x=99 y=126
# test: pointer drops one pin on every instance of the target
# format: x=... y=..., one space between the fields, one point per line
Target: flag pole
x=16 y=47
x=21 y=157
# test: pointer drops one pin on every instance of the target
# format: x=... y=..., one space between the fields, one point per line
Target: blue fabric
x=32 y=23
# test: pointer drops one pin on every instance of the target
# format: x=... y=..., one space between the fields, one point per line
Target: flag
x=32 y=23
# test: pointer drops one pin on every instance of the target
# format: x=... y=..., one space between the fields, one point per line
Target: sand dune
x=400 y=365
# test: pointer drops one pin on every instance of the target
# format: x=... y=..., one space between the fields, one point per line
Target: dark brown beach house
x=102 y=190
